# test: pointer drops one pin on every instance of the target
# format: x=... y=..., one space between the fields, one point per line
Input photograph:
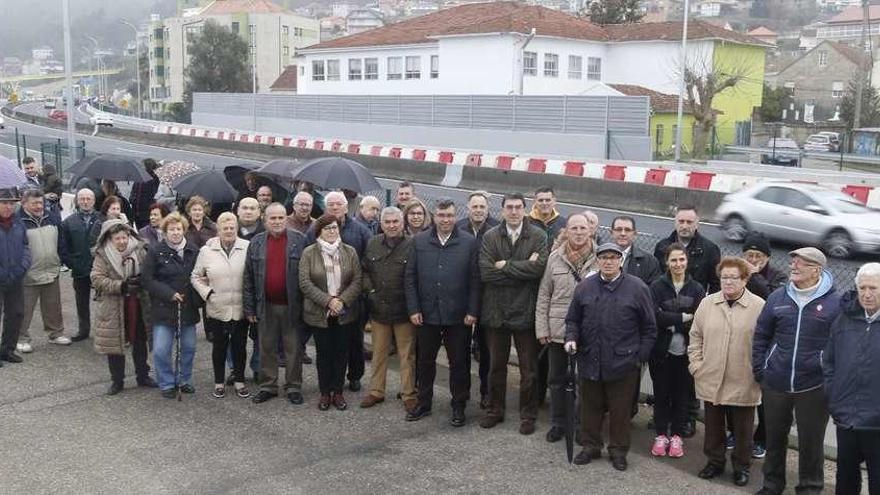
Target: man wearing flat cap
x=610 y=325
x=15 y=261
x=790 y=335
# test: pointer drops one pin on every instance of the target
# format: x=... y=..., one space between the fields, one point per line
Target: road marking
x=128 y=150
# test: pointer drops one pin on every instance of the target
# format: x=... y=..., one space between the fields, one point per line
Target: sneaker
x=676 y=447
x=60 y=340
x=758 y=451
x=24 y=347
x=731 y=442
x=661 y=443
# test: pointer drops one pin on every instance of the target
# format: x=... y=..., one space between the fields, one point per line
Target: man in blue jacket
x=787 y=349
x=15 y=260
x=852 y=381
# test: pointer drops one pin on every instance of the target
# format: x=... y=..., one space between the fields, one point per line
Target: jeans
x=11 y=302
x=163 y=354
x=853 y=448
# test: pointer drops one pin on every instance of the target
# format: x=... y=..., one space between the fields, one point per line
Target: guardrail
x=817 y=155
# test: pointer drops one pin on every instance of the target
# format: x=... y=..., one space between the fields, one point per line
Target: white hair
x=338 y=195
x=391 y=210
x=85 y=190
x=370 y=200
x=303 y=194
x=868 y=270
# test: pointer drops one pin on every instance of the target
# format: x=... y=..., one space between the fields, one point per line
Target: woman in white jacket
x=218 y=277
x=567 y=265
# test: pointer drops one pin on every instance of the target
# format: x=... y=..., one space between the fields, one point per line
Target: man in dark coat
x=512 y=260
x=443 y=300
x=477 y=223
x=15 y=260
x=765 y=279
x=79 y=231
x=611 y=320
x=852 y=381
x=143 y=193
x=703 y=254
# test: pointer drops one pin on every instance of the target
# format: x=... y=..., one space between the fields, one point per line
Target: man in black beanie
x=765 y=279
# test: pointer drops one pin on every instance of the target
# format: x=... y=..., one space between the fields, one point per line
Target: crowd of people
x=733 y=333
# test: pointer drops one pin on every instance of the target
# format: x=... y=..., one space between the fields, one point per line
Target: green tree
x=218 y=64
x=773 y=102
x=870 y=106
x=614 y=11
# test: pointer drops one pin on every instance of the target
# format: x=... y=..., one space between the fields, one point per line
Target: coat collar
x=745 y=301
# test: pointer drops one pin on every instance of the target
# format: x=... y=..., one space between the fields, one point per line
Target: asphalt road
x=652 y=228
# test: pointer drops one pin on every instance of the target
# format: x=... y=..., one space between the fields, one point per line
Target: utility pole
x=681 y=82
x=68 y=77
x=863 y=69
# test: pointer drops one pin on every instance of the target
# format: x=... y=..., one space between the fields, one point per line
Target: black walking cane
x=570 y=383
x=177 y=357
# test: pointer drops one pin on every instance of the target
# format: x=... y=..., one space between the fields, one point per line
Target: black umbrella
x=111 y=167
x=235 y=174
x=570 y=384
x=337 y=173
x=279 y=169
x=209 y=184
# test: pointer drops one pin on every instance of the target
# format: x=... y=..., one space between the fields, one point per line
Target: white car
x=819 y=142
x=2 y=122
x=102 y=119
x=801 y=214
x=49 y=103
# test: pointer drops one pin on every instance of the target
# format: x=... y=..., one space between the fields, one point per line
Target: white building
x=493 y=53
x=43 y=53
x=361 y=20
x=272 y=32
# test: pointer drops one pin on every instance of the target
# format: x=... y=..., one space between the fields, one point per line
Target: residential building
x=664 y=120
x=847 y=25
x=764 y=34
x=286 y=82
x=272 y=32
x=12 y=66
x=360 y=20
x=819 y=78
x=713 y=8
x=479 y=49
x=43 y=53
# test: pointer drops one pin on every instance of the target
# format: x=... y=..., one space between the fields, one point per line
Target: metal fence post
x=17 y=149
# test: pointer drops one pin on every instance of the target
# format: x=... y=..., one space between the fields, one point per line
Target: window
x=837 y=89
x=333 y=70
x=435 y=66
x=158 y=33
x=551 y=65
x=297 y=31
x=658 y=139
x=355 y=69
x=530 y=63
x=395 y=68
x=575 y=66
x=285 y=50
x=413 y=67
x=235 y=27
x=594 y=69
x=159 y=52
x=317 y=70
x=285 y=31
x=823 y=58
x=371 y=69
x=302 y=70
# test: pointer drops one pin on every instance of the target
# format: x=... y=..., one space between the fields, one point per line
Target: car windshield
x=844 y=203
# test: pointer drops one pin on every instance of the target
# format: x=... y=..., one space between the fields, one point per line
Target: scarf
x=332 y=265
x=125 y=263
x=579 y=257
x=177 y=247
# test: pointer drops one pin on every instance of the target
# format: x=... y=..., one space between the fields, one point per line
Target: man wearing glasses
x=790 y=336
x=636 y=261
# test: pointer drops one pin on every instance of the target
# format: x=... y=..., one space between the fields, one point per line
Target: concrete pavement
x=61 y=434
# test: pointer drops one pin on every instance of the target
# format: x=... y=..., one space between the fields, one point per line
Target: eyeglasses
x=730 y=279
x=308 y=205
x=415 y=214
x=623 y=229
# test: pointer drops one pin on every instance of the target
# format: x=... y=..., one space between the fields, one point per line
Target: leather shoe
x=741 y=478
x=187 y=388
x=114 y=389
x=170 y=393
x=418 y=413
x=458 y=418
x=11 y=358
x=410 y=405
x=619 y=463
x=711 y=471
x=490 y=421
x=586 y=456
x=295 y=398
x=371 y=400
x=555 y=434
x=263 y=396
x=527 y=427
x=79 y=337
x=339 y=401
x=324 y=402
x=354 y=385
x=147 y=382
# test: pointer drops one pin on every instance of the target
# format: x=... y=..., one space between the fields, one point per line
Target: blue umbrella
x=10 y=175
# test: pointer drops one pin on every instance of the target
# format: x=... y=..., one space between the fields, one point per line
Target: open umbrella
x=171 y=171
x=111 y=167
x=10 y=175
x=280 y=169
x=209 y=184
x=235 y=174
x=570 y=384
x=337 y=173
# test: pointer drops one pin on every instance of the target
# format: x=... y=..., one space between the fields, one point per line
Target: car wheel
x=735 y=228
x=838 y=244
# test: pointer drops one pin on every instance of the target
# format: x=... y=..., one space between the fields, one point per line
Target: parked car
x=784 y=152
x=102 y=119
x=802 y=214
x=818 y=142
x=49 y=103
x=58 y=116
x=834 y=137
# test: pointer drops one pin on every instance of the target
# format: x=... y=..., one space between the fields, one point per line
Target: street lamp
x=68 y=76
x=137 y=70
x=681 y=83
x=102 y=84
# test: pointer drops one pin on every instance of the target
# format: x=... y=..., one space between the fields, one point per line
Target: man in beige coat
x=720 y=353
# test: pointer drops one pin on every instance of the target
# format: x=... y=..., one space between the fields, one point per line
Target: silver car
x=802 y=214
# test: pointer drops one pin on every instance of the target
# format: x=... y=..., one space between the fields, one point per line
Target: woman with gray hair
x=218 y=277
